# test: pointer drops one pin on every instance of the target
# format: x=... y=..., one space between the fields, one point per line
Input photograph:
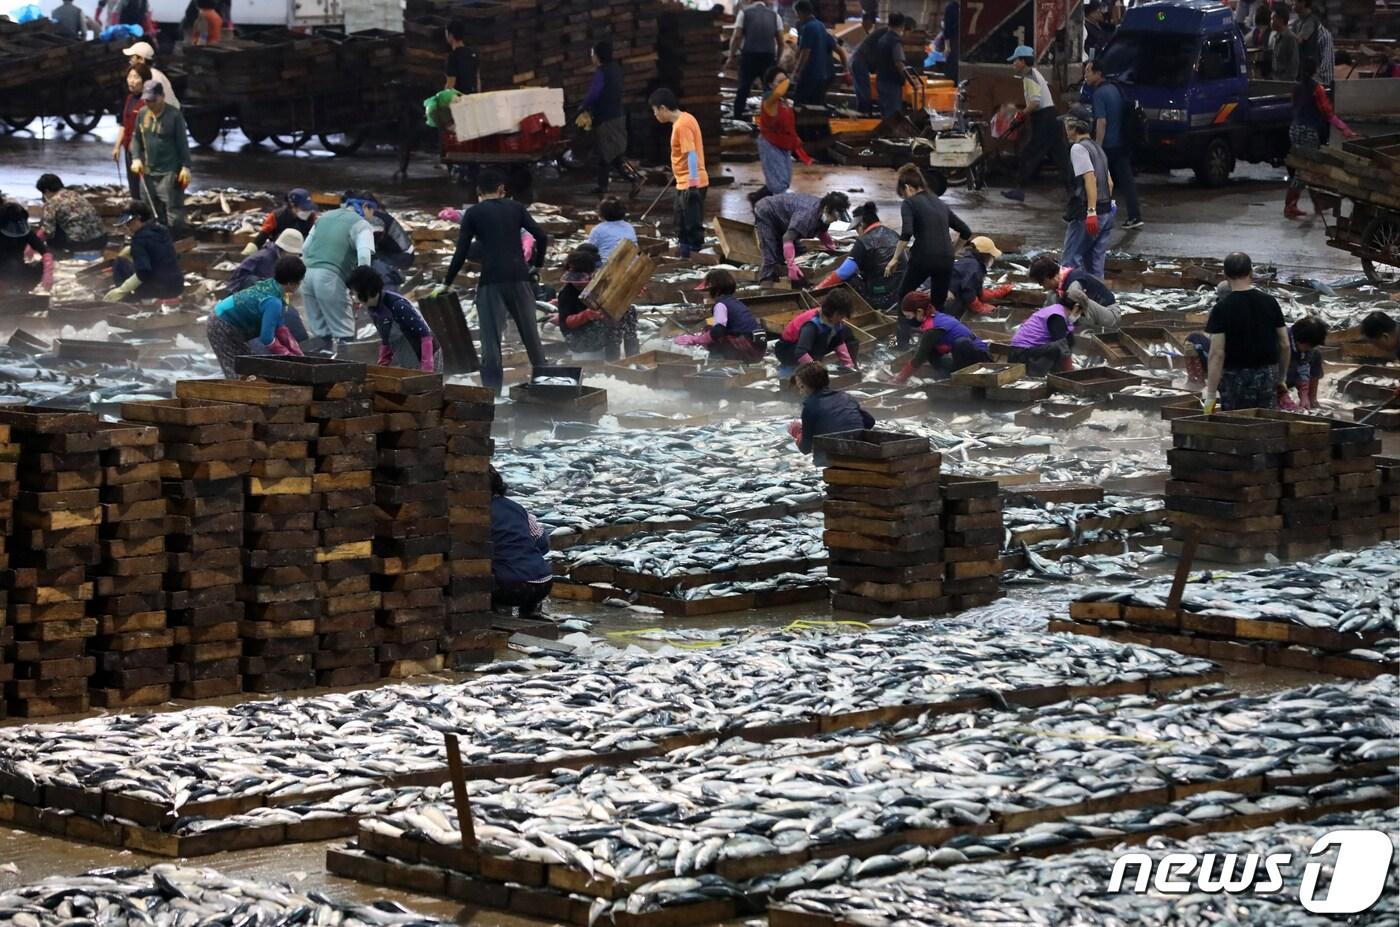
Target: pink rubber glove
x=527 y=245
x=790 y=256
x=844 y=354
x=700 y=340
x=284 y=343
x=426 y=346
x=448 y=214
x=827 y=241
x=795 y=429
x=805 y=359
x=386 y=356
x=46 y=282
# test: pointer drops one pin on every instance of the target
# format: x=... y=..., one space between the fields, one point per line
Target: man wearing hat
x=141 y=53
x=259 y=265
x=15 y=236
x=298 y=212
x=966 y=283
x=1090 y=211
x=160 y=156
x=148 y=267
x=340 y=241
x=1046 y=137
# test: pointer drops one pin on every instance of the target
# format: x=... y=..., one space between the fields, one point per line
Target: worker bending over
x=258 y=312
x=260 y=263
x=967 y=285
x=866 y=267
x=148 y=267
x=814 y=334
x=518 y=548
x=735 y=334
x=1075 y=286
x=298 y=212
x=1044 y=341
x=946 y=345
x=15 y=237
x=585 y=329
x=782 y=221
x=825 y=411
x=405 y=340
x=69 y=222
x=1383 y=332
x=1305 y=340
x=340 y=241
x=1248 y=345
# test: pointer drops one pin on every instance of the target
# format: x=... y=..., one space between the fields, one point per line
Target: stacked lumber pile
x=973 y=526
x=280 y=63
x=45 y=67
x=57 y=515
x=411 y=539
x=1359 y=169
x=690 y=59
x=132 y=646
x=883 y=527
x=467 y=412
x=208 y=448
x=1258 y=482
x=9 y=487
x=1390 y=497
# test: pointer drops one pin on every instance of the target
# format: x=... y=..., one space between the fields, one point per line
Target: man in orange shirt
x=688 y=166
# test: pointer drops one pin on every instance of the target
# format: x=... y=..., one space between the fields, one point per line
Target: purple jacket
x=1035 y=331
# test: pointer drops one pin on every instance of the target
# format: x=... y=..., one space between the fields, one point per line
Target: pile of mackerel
x=738 y=821
x=170 y=771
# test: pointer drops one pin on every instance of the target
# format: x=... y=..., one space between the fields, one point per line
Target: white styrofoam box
x=498 y=112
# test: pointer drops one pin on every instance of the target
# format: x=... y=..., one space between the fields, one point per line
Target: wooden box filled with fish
x=467 y=636
x=883 y=516
x=208 y=447
x=1092 y=381
x=57 y=517
x=412 y=536
x=133 y=638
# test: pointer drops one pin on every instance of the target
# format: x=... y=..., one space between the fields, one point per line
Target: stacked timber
x=9 y=486
x=132 y=646
x=411 y=539
x=55 y=542
x=1361 y=170
x=883 y=528
x=467 y=412
x=1389 y=493
x=691 y=54
x=52 y=68
x=208 y=449
x=973 y=530
x=1359 y=516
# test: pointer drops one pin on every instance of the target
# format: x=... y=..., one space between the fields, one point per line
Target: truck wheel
x=1382 y=236
x=83 y=123
x=344 y=143
x=1216 y=164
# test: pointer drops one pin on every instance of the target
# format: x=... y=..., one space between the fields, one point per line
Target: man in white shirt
x=1046 y=136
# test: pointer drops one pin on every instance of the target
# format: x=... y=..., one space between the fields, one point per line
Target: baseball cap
x=985 y=245
x=142 y=49
x=134 y=210
x=301 y=199
x=152 y=89
x=290 y=241
x=1022 y=51
x=1079 y=113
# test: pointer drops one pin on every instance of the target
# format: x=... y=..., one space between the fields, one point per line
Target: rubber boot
x=1317 y=204
x=1290 y=204
x=1312 y=391
x=1066 y=363
x=903 y=376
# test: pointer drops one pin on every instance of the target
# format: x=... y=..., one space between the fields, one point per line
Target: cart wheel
x=344 y=143
x=1382 y=235
x=83 y=123
x=291 y=141
x=204 y=128
x=17 y=122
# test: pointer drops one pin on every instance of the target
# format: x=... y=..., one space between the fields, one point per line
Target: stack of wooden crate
x=467 y=412
x=346 y=451
x=411 y=539
x=208 y=447
x=972 y=522
x=689 y=59
x=1359 y=515
x=9 y=487
x=57 y=516
x=132 y=646
x=883 y=526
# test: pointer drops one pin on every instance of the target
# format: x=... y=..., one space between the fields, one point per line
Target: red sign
x=1049 y=18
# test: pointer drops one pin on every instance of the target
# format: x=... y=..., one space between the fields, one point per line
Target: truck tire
x=204 y=127
x=1217 y=163
x=344 y=143
x=1382 y=235
x=83 y=123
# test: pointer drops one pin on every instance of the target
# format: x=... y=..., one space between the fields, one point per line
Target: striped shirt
x=1326 y=56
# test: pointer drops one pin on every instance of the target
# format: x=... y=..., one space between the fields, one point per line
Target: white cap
x=290 y=241
x=143 y=49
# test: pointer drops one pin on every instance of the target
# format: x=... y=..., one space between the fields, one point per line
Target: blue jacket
x=830 y=412
x=518 y=544
x=954 y=330
x=257 y=266
x=156 y=263
x=967 y=278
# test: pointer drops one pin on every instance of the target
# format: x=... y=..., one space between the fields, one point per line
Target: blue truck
x=1184 y=63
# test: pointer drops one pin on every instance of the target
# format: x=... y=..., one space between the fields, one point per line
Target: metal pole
x=657 y=200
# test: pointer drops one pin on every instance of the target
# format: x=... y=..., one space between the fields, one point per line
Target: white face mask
x=302 y=214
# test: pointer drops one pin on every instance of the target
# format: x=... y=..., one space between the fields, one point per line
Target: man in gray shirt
x=1283 y=49
x=756 y=43
x=71 y=21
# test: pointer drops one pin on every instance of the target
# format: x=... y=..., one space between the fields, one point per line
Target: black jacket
x=830 y=412
x=156 y=263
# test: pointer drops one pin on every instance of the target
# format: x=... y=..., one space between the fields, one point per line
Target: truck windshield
x=1152 y=59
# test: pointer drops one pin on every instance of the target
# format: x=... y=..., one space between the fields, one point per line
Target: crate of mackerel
x=468 y=638
x=133 y=639
x=412 y=536
x=57 y=515
x=884 y=532
x=207 y=451
x=280 y=574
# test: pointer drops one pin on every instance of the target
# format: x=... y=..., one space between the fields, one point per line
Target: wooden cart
x=1362 y=178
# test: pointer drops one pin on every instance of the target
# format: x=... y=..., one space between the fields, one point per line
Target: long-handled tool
x=657 y=200
x=1388 y=404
